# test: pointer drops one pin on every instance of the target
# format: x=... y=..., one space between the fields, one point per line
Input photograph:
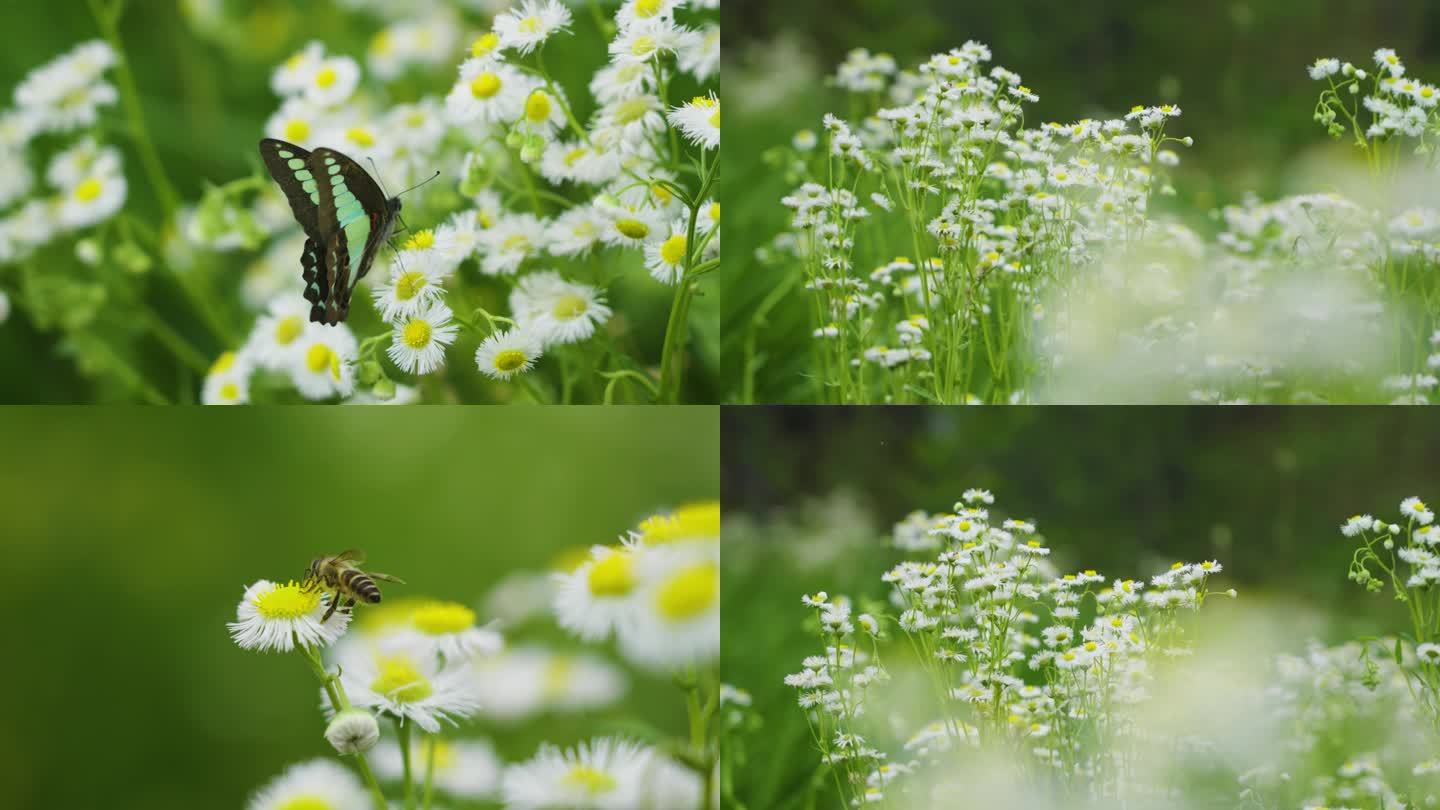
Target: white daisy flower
x=274 y=341
x=601 y=594
x=93 y=200
x=677 y=620
x=603 y=774
x=506 y=244
x=413 y=687
x=632 y=10
x=487 y=92
x=418 y=345
x=293 y=75
x=448 y=629
x=522 y=29
x=649 y=39
x=319 y=783
x=575 y=232
x=68 y=92
x=665 y=257
x=16 y=178
x=699 y=121
x=556 y=310
x=578 y=163
x=505 y=354
x=543 y=114
x=324 y=362
x=414 y=284
x=700 y=56
x=418 y=127
x=275 y=618
x=1415 y=509
x=465 y=769
x=297 y=121
x=525 y=681
x=332 y=81
x=1428 y=653
x=617 y=82
x=228 y=382
x=17 y=127
x=626 y=125
x=459 y=238
x=630 y=226
x=84 y=159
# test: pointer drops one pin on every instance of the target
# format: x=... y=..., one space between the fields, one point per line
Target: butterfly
x=345 y=215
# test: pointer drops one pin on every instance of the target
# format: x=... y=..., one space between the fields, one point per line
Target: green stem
x=403 y=732
x=340 y=702
x=179 y=346
x=434 y=743
x=532 y=389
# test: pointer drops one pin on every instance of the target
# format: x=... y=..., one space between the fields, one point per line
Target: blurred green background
x=202 y=70
x=1235 y=67
x=811 y=493
x=129 y=537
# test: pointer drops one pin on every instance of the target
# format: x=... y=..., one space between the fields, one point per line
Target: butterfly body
x=345 y=215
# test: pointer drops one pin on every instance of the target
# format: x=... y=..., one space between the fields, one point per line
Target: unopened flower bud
x=353 y=731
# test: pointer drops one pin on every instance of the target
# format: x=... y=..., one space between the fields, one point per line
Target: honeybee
x=342 y=576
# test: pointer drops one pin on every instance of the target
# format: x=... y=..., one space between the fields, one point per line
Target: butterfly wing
x=291 y=168
x=355 y=218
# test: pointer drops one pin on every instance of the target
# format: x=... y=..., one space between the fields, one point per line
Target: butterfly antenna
x=377 y=175
x=419 y=184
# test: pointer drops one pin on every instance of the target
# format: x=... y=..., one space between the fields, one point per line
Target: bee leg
x=350 y=606
x=334 y=603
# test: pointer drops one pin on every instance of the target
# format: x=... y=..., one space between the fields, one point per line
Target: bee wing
x=385 y=577
x=354 y=555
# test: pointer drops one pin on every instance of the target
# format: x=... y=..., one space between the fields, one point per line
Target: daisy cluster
x=54 y=123
x=1047 y=667
x=657 y=591
x=409 y=684
x=1354 y=692
x=549 y=211
x=997 y=213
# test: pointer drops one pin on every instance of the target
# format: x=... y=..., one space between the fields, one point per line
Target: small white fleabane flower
x=1357 y=524
x=1324 y=68
x=448 y=629
x=315 y=785
x=468 y=769
x=556 y=310
x=228 y=381
x=353 y=731
x=410 y=686
x=665 y=256
x=332 y=81
x=323 y=364
x=1428 y=653
x=527 y=27
x=293 y=75
x=275 y=618
x=506 y=354
x=1416 y=510
x=92 y=199
x=604 y=774
x=488 y=93
x=649 y=39
x=418 y=344
x=699 y=121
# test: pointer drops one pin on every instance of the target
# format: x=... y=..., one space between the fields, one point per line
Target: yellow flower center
x=485 y=44
x=647 y=8
x=400 y=680
x=557 y=674
x=612 y=575
x=537 y=108
x=689 y=593
x=519 y=242
x=574 y=155
x=715 y=117
x=483 y=219
x=409 y=285
x=1420 y=506
x=643 y=45
x=591 y=780
x=510 y=359
x=439 y=618
x=715 y=212
x=361 y=136
x=88 y=190
x=672 y=250
x=529 y=25
x=381 y=43
x=229 y=392
x=422 y=240
x=628 y=112
x=318 y=358
x=306 y=803
x=416 y=334
x=287 y=329
x=297 y=130
x=485 y=85
x=692 y=521
x=633 y=228
x=287 y=601
x=415 y=119
x=223 y=363
x=325 y=78
x=569 y=307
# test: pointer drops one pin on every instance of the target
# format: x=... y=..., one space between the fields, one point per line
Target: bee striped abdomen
x=362 y=586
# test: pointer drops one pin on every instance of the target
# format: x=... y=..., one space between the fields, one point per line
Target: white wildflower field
x=529 y=211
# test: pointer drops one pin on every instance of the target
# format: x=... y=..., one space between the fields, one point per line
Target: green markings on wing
x=352 y=218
